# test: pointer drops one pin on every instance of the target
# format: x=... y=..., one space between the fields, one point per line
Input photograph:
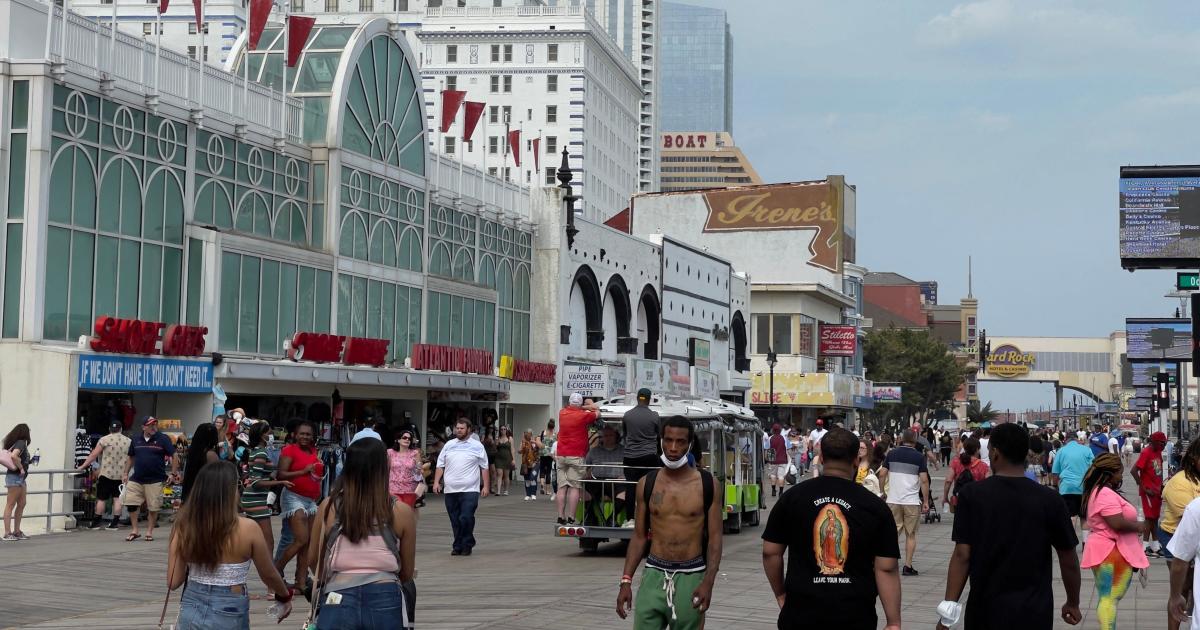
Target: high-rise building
x=693 y=161
x=696 y=77
x=551 y=72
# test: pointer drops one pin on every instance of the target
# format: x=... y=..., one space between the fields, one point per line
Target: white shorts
x=777 y=471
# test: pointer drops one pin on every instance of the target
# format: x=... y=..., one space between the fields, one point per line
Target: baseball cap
x=1081 y=435
x=1158 y=436
x=576 y=399
x=149 y=420
x=645 y=393
x=366 y=433
x=115 y=424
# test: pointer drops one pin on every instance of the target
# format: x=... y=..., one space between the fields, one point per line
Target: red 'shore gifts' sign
x=838 y=341
x=531 y=372
x=134 y=336
x=451 y=359
x=326 y=348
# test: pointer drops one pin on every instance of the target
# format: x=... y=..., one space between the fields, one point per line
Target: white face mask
x=677 y=464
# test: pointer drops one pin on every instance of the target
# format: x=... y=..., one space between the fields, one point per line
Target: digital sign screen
x=1158 y=339
x=1159 y=216
x=1143 y=373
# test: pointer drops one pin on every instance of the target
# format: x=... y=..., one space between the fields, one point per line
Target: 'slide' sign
x=134 y=336
x=451 y=359
x=326 y=348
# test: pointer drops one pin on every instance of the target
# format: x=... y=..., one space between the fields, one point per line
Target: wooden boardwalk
x=519 y=578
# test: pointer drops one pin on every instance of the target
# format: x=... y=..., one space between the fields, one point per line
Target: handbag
x=8 y=461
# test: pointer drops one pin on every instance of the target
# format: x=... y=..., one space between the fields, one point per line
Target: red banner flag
x=451 y=101
x=198 y=5
x=162 y=6
x=474 y=113
x=514 y=142
x=298 y=27
x=260 y=10
x=537 y=154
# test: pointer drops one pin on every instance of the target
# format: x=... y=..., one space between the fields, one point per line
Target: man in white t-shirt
x=814 y=443
x=984 y=437
x=1184 y=545
x=462 y=465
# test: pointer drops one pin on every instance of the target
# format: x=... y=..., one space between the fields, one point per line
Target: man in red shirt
x=572 y=447
x=1147 y=473
x=777 y=466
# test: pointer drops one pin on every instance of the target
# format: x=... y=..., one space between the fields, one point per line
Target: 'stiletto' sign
x=815 y=205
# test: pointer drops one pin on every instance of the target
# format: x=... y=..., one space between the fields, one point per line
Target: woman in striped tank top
x=260 y=479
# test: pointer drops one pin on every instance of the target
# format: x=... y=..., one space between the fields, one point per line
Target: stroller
x=931 y=515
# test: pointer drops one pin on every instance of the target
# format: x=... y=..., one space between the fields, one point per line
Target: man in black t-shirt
x=841 y=544
x=1004 y=529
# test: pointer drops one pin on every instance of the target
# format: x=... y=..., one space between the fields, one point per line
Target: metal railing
x=70 y=475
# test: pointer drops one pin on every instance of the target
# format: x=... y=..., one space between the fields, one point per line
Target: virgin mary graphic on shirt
x=831 y=539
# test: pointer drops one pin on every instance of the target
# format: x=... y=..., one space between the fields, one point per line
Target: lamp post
x=772 y=360
x=564 y=177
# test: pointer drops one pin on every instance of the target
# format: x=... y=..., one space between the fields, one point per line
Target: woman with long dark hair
x=1178 y=493
x=204 y=449
x=967 y=460
x=260 y=479
x=364 y=545
x=17 y=443
x=211 y=549
x=404 y=468
x=1113 y=549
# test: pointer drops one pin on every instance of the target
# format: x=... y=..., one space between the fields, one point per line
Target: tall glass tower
x=696 y=69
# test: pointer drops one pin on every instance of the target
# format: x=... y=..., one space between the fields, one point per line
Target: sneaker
x=10 y=538
x=562 y=521
x=533 y=498
x=21 y=536
x=504 y=494
x=95 y=524
x=908 y=571
x=526 y=498
x=112 y=525
x=455 y=552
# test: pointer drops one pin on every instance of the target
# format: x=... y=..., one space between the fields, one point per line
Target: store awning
x=301 y=373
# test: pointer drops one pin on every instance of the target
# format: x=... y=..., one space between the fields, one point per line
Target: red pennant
x=260 y=10
x=298 y=27
x=162 y=6
x=514 y=141
x=474 y=113
x=537 y=154
x=198 y=5
x=451 y=101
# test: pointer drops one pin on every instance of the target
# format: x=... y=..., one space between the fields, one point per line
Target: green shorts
x=652 y=607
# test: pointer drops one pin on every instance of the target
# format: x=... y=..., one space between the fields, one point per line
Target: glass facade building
x=696 y=69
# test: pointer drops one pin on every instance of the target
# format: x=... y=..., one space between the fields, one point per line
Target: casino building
x=177 y=239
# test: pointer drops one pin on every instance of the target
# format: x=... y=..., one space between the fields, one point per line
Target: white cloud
x=968 y=22
x=1189 y=98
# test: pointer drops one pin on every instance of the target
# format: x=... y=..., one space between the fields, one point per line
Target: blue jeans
x=285 y=539
x=367 y=607
x=1163 y=539
x=531 y=478
x=205 y=607
x=460 y=506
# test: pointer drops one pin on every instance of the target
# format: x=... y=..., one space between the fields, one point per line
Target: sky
x=991 y=129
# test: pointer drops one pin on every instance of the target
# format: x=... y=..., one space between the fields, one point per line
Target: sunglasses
x=405 y=437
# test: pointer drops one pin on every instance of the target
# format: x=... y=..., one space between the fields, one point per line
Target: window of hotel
x=552 y=52
x=507 y=83
x=507 y=118
x=493 y=145
x=451 y=82
x=451 y=54
x=331 y=6
x=494 y=83
x=192 y=28
x=297 y=6
x=508 y=52
x=552 y=113
x=493 y=114
x=551 y=145
x=449 y=145
x=399 y=5
x=495 y=53
x=552 y=83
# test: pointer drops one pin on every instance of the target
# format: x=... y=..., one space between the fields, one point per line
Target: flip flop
x=132 y=537
x=149 y=538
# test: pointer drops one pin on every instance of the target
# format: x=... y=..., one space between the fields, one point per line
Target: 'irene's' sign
x=814 y=206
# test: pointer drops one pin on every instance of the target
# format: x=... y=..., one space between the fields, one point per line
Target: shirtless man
x=676 y=588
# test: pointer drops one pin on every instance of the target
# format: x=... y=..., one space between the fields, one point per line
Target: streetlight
x=564 y=176
x=772 y=360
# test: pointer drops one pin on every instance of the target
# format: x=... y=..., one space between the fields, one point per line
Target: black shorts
x=107 y=488
x=545 y=465
x=1073 y=502
x=637 y=467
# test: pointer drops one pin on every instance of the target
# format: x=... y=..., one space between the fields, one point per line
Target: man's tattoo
x=656 y=498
